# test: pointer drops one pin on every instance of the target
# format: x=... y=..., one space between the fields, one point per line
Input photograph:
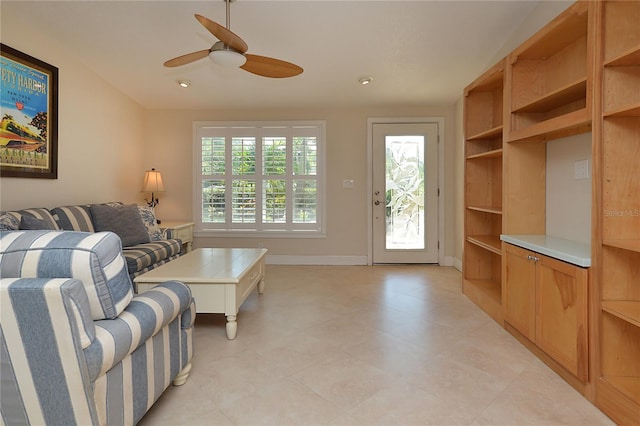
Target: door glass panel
x=405 y=221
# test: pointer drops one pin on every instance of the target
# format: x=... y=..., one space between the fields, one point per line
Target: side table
x=179 y=230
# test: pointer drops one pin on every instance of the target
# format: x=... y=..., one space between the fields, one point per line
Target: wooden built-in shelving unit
x=483 y=191
x=578 y=74
x=618 y=300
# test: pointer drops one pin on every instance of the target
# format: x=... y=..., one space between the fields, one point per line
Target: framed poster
x=29 y=111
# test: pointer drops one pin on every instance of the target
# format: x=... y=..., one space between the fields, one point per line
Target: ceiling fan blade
x=223 y=34
x=186 y=59
x=270 y=67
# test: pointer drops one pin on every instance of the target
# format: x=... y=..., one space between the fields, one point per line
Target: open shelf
x=487 y=242
x=496 y=153
x=621 y=39
x=629 y=57
x=482 y=278
x=619 y=362
x=559 y=34
x=620 y=179
x=550 y=92
x=625 y=111
x=626 y=310
x=487 y=134
x=492 y=210
x=563 y=125
x=484 y=105
x=564 y=95
x=627 y=244
x=620 y=99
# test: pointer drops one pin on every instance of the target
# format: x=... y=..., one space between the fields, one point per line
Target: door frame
x=441 y=198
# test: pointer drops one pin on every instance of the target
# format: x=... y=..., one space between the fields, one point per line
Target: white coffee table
x=220 y=279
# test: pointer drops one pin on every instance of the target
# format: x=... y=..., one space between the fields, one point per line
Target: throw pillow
x=31 y=223
x=125 y=221
x=148 y=216
x=8 y=222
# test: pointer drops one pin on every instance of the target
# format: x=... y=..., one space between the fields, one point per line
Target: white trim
x=276 y=259
x=457 y=263
x=258 y=234
x=442 y=260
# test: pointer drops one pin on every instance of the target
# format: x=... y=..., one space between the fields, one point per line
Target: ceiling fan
x=231 y=51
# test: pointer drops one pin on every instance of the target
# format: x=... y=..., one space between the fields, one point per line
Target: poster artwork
x=26 y=137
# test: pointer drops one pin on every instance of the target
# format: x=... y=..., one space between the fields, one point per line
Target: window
x=264 y=177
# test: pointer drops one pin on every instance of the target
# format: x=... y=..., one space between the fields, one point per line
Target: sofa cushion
x=148 y=216
x=142 y=256
x=125 y=221
x=74 y=218
x=94 y=258
x=38 y=213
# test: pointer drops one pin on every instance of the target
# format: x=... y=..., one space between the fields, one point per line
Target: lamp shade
x=152 y=181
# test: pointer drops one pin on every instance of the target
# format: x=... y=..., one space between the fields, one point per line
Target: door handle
x=377 y=203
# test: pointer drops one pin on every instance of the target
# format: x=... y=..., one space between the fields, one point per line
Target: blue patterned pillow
x=8 y=222
x=148 y=216
x=40 y=213
x=32 y=224
x=122 y=220
x=74 y=218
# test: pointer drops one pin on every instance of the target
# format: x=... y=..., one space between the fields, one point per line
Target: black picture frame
x=28 y=116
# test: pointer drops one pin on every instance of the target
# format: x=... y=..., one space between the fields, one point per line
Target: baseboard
x=283 y=259
x=457 y=263
x=276 y=259
x=446 y=261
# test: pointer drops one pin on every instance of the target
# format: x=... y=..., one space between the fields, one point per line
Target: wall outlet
x=581 y=169
x=348 y=184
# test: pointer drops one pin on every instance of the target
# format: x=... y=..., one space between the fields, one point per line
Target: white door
x=405 y=193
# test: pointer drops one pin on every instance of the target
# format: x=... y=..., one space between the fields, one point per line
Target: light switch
x=348 y=184
x=581 y=169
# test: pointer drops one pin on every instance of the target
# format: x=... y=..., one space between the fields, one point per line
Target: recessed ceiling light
x=184 y=83
x=365 y=80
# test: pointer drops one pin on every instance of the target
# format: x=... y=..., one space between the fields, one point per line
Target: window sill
x=258 y=234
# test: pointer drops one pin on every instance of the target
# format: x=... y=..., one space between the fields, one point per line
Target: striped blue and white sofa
x=77 y=347
x=151 y=250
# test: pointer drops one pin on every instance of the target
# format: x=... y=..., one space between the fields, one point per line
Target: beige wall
x=99 y=136
x=568 y=200
x=168 y=147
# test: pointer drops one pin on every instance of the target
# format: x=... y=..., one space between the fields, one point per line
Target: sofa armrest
x=145 y=316
x=44 y=326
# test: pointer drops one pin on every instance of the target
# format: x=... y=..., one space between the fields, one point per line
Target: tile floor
x=357 y=345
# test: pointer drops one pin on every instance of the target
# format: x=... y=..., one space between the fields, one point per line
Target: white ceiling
x=418 y=52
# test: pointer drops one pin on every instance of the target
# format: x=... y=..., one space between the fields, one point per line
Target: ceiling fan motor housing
x=225 y=55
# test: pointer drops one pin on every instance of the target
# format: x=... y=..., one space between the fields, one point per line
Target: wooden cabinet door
x=561 y=314
x=519 y=296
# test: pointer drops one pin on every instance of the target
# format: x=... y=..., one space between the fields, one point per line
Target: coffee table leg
x=261 y=286
x=232 y=327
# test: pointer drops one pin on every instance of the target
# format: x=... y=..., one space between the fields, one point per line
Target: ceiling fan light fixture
x=184 y=83
x=226 y=56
